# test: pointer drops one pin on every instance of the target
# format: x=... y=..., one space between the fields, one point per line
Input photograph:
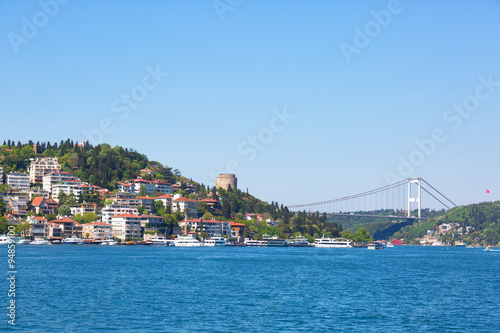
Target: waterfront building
x=69 y=227
x=39 y=226
x=211 y=227
x=97 y=230
x=126 y=227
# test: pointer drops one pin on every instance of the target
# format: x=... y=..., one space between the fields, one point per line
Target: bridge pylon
x=416 y=198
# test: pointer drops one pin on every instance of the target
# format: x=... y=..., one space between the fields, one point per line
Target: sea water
x=79 y=288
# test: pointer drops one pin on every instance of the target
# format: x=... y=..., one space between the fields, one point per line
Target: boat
x=160 y=240
x=301 y=241
x=389 y=244
x=215 y=241
x=332 y=242
x=23 y=241
x=39 y=241
x=375 y=246
x=274 y=241
x=256 y=242
x=4 y=240
x=109 y=241
x=72 y=241
x=144 y=243
x=460 y=243
x=186 y=241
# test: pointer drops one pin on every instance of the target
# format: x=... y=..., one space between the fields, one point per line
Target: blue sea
x=65 y=288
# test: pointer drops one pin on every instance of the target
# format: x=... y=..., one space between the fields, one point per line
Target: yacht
x=332 y=242
x=301 y=241
x=72 y=241
x=160 y=240
x=389 y=244
x=186 y=241
x=39 y=241
x=375 y=246
x=23 y=241
x=215 y=241
x=109 y=241
x=4 y=239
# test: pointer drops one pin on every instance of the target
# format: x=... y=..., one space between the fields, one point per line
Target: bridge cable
x=439 y=192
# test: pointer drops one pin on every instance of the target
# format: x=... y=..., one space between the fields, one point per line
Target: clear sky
x=305 y=100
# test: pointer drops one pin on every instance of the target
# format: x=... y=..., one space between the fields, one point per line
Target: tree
x=362 y=235
x=3 y=207
x=64 y=210
x=208 y=216
x=50 y=217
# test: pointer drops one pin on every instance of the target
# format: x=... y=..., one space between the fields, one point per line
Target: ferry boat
x=160 y=240
x=215 y=241
x=332 y=242
x=274 y=241
x=186 y=241
x=72 y=241
x=255 y=242
x=39 y=241
x=375 y=246
x=301 y=241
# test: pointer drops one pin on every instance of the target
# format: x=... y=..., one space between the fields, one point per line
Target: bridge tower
x=411 y=198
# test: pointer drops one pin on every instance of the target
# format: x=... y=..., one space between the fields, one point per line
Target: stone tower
x=226 y=179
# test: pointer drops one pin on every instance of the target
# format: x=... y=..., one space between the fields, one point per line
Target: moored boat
x=23 y=241
x=39 y=241
x=215 y=241
x=301 y=241
x=4 y=240
x=375 y=246
x=186 y=241
x=332 y=242
x=72 y=241
x=160 y=240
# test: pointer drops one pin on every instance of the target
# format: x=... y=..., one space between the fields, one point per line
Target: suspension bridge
x=403 y=197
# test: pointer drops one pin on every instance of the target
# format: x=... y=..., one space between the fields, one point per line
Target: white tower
x=414 y=199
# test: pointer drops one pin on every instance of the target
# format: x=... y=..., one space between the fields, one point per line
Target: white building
x=184 y=203
x=39 y=226
x=67 y=188
x=211 y=227
x=117 y=209
x=41 y=166
x=97 y=230
x=56 y=177
x=166 y=200
x=38 y=192
x=1 y=175
x=126 y=226
x=84 y=208
x=17 y=180
x=135 y=186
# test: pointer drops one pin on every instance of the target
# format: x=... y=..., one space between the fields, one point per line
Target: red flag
x=487 y=191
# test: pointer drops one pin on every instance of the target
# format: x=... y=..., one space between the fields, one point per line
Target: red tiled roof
x=126 y=215
x=65 y=220
x=37 y=201
x=99 y=223
x=152 y=216
x=182 y=199
x=165 y=196
x=236 y=224
x=39 y=218
x=145 y=198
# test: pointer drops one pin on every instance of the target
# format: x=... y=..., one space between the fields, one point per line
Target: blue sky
x=233 y=68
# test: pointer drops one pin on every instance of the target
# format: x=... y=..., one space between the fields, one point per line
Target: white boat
x=215 y=241
x=39 y=241
x=72 y=241
x=23 y=241
x=332 y=242
x=109 y=241
x=301 y=241
x=255 y=242
x=4 y=240
x=186 y=241
x=389 y=244
x=375 y=246
x=274 y=241
x=160 y=240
